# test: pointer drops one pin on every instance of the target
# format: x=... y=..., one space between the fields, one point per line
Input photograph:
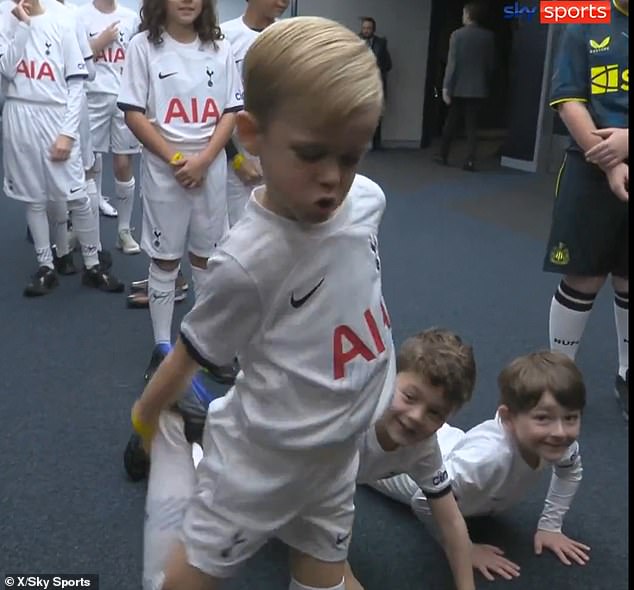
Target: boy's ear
x=505 y=415
x=248 y=132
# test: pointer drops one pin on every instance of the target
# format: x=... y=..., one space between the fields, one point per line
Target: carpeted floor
x=458 y=250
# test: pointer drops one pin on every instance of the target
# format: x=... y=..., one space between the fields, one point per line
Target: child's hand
x=145 y=427
x=489 y=560
x=619 y=181
x=564 y=548
x=109 y=34
x=612 y=150
x=250 y=172
x=60 y=150
x=22 y=11
x=191 y=173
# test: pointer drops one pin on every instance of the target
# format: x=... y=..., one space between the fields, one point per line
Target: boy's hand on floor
x=490 y=560
x=566 y=549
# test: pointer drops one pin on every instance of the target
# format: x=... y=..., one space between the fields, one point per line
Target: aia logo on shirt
x=35 y=71
x=191 y=111
x=110 y=55
x=348 y=345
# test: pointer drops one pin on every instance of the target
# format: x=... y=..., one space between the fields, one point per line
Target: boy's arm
x=220 y=324
x=14 y=49
x=564 y=483
x=455 y=539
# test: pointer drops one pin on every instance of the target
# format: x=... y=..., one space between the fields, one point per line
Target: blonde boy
x=295 y=289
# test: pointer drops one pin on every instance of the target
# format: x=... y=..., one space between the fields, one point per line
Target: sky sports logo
x=564 y=12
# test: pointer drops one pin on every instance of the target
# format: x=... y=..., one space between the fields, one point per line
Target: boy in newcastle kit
x=46 y=71
x=497 y=463
x=295 y=289
x=590 y=228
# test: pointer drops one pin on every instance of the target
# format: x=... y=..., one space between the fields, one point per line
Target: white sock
x=37 y=220
x=295 y=585
x=569 y=313
x=161 y=287
x=85 y=226
x=621 y=316
x=198 y=278
x=98 y=170
x=93 y=197
x=125 y=195
x=58 y=217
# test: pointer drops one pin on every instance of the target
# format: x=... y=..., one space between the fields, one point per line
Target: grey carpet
x=459 y=250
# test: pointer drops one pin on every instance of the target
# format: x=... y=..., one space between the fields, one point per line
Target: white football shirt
x=422 y=462
x=241 y=38
x=302 y=307
x=109 y=62
x=51 y=57
x=68 y=11
x=183 y=89
x=489 y=474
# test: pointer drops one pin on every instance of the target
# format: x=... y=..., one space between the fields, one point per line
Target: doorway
x=446 y=17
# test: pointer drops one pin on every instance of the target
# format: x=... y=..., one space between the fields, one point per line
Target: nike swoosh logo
x=74 y=190
x=297 y=303
x=342 y=538
x=92 y=34
x=162 y=76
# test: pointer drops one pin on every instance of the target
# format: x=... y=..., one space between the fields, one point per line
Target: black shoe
x=225 y=375
x=161 y=350
x=101 y=279
x=468 y=166
x=135 y=460
x=105 y=259
x=622 y=392
x=42 y=282
x=440 y=159
x=65 y=265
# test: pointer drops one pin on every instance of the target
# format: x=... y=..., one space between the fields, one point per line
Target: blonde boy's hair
x=440 y=357
x=314 y=62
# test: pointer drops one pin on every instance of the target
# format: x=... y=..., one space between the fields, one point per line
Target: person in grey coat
x=466 y=83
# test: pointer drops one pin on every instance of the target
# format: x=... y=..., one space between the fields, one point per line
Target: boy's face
x=418 y=410
x=308 y=169
x=270 y=8
x=546 y=431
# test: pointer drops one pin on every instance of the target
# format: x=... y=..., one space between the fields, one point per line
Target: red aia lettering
x=33 y=72
x=177 y=110
x=344 y=336
x=111 y=55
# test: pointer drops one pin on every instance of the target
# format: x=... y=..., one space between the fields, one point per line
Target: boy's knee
x=179 y=574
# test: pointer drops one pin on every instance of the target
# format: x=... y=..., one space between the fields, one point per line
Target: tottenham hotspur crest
x=210 y=73
x=374 y=246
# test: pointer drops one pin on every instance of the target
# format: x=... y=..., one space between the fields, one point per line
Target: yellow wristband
x=144 y=430
x=176 y=158
x=237 y=161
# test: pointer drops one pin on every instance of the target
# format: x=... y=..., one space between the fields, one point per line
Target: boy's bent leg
x=310 y=573
x=171 y=484
x=180 y=575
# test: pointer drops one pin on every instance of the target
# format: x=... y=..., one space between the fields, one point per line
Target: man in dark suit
x=383 y=60
x=466 y=84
